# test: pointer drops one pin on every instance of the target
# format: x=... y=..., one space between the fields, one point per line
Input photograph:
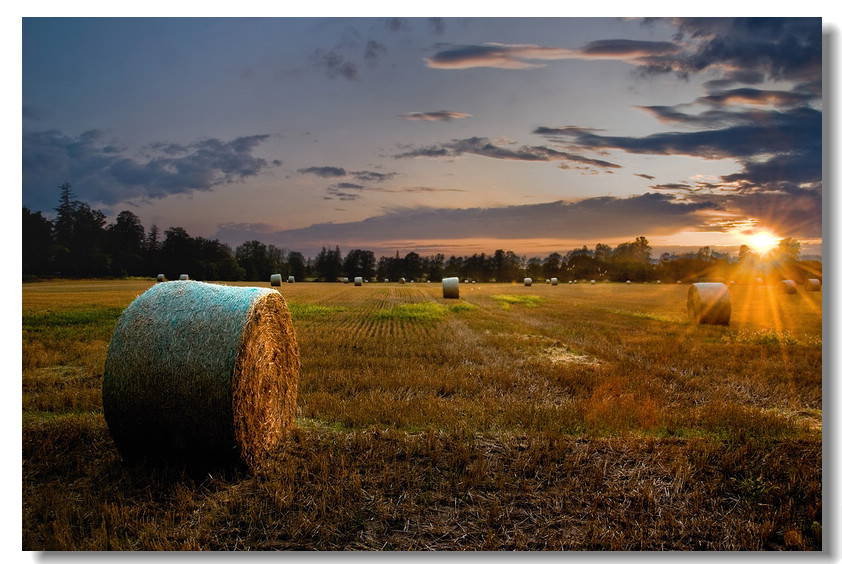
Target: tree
x=297 y=265
x=125 y=243
x=329 y=264
x=253 y=258
x=37 y=242
x=360 y=263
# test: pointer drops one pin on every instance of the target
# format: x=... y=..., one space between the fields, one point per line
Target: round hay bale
x=813 y=285
x=628 y=281
x=758 y=281
x=788 y=286
x=184 y=277
x=709 y=302
x=161 y=278
x=358 y=281
x=450 y=287
x=554 y=281
x=527 y=281
x=275 y=280
x=401 y=280
x=290 y=279
x=593 y=281
x=200 y=372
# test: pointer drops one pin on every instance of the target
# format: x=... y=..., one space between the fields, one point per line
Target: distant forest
x=80 y=243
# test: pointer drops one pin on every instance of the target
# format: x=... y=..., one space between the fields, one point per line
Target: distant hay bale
x=554 y=281
x=628 y=281
x=162 y=278
x=527 y=281
x=710 y=303
x=344 y=279
x=758 y=281
x=200 y=372
x=184 y=277
x=593 y=281
x=275 y=280
x=450 y=287
x=813 y=285
x=401 y=280
x=657 y=282
x=290 y=279
x=787 y=286
x=358 y=281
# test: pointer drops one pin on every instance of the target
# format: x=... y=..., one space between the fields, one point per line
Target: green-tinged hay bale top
x=788 y=286
x=275 y=280
x=450 y=287
x=184 y=277
x=709 y=302
x=813 y=285
x=201 y=372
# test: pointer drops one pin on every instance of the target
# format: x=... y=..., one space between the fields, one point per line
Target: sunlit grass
x=575 y=416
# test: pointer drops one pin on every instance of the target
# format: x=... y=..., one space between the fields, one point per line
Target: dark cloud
x=374 y=51
x=371 y=176
x=598 y=219
x=494 y=55
x=624 y=48
x=441 y=115
x=673 y=186
x=792 y=138
x=324 y=171
x=646 y=176
x=484 y=147
x=334 y=64
x=743 y=50
x=779 y=48
x=102 y=173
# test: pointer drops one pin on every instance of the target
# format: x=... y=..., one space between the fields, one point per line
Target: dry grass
x=596 y=417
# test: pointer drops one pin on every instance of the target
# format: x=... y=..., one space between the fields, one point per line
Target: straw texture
x=710 y=303
x=199 y=372
x=450 y=288
x=813 y=285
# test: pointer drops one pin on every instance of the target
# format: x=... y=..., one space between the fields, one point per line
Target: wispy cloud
x=441 y=115
x=103 y=173
x=486 y=148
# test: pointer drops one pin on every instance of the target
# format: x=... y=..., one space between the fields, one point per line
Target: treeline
x=80 y=243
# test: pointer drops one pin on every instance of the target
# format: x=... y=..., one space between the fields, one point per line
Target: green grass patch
x=456 y=308
x=299 y=311
x=428 y=312
x=71 y=324
x=507 y=300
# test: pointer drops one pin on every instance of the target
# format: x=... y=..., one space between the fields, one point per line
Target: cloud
x=324 y=171
x=103 y=173
x=374 y=51
x=774 y=147
x=598 y=219
x=484 y=147
x=334 y=64
x=441 y=115
x=496 y=55
x=743 y=50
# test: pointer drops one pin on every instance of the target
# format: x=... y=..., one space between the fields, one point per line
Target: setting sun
x=762 y=242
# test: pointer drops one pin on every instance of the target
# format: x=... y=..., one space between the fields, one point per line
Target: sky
x=452 y=135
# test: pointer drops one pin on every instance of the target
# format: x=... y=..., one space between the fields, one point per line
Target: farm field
x=570 y=417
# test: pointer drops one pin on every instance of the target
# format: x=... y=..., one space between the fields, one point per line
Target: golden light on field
x=762 y=242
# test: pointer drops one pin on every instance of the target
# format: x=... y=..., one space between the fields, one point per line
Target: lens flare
x=762 y=242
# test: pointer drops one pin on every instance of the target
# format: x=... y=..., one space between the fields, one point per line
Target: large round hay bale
x=201 y=372
x=358 y=281
x=813 y=285
x=554 y=281
x=184 y=277
x=162 y=278
x=709 y=302
x=527 y=281
x=787 y=286
x=450 y=287
x=275 y=280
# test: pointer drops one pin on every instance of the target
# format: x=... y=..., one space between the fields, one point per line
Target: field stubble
x=568 y=417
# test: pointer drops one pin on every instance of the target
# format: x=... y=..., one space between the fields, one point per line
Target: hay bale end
x=709 y=303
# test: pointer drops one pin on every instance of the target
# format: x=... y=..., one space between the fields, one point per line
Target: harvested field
x=569 y=417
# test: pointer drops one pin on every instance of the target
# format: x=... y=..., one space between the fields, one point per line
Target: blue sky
x=457 y=135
